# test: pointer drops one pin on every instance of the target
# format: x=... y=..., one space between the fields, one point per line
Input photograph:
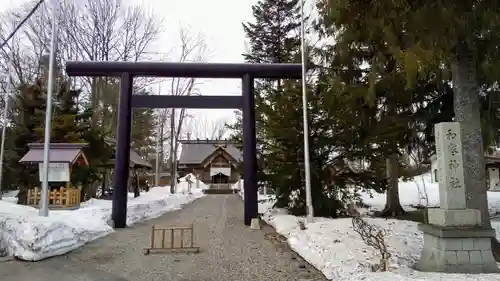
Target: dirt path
x=229 y=251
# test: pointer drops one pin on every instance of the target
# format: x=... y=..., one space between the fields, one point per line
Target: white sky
x=220 y=23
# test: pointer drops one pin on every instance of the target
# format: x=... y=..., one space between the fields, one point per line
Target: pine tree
x=270 y=42
x=461 y=37
x=143 y=128
x=382 y=87
x=27 y=118
x=69 y=124
x=273 y=38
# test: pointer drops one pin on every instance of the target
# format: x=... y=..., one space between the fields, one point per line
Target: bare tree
x=205 y=128
x=98 y=30
x=192 y=48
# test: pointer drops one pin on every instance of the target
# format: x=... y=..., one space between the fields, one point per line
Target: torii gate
x=128 y=70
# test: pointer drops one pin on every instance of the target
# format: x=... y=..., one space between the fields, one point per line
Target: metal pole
x=44 y=206
x=5 y=115
x=310 y=211
x=172 y=153
x=158 y=141
x=4 y=128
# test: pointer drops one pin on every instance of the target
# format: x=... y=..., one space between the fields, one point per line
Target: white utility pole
x=307 y=166
x=4 y=118
x=173 y=179
x=158 y=141
x=44 y=204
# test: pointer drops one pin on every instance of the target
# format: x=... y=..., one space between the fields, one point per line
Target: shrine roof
x=196 y=151
x=59 y=152
x=136 y=161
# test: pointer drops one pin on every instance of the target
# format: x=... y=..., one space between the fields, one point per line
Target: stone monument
x=454 y=240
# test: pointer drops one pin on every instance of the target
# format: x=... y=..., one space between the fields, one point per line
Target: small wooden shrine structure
x=63 y=158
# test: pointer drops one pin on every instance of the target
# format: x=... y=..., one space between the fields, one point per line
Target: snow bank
x=183 y=187
x=30 y=237
x=10 y=196
x=421 y=191
x=334 y=248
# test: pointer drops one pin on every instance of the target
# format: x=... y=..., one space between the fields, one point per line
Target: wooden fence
x=62 y=197
x=172 y=239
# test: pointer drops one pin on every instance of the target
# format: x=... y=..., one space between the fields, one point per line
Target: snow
x=28 y=236
x=421 y=191
x=334 y=248
x=10 y=196
x=331 y=245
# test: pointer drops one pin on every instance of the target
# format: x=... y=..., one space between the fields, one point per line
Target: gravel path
x=229 y=251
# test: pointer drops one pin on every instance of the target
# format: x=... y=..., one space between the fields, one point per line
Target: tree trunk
x=137 y=191
x=162 y=151
x=82 y=194
x=104 y=184
x=392 y=204
x=22 y=195
x=94 y=101
x=467 y=112
x=92 y=190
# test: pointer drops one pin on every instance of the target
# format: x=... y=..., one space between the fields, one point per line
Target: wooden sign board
x=58 y=172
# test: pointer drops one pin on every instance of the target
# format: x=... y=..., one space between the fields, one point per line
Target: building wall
x=207 y=179
x=164 y=179
x=204 y=172
x=493 y=179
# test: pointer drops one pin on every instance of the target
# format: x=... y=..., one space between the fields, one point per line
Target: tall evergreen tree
x=27 y=117
x=68 y=124
x=273 y=38
x=408 y=97
x=143 y=128
x=464 y=41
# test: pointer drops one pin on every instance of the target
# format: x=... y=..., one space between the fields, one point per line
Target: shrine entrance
x=220 y=178
x=126 y=71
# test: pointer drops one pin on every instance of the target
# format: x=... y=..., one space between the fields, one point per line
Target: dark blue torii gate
x=128 y=70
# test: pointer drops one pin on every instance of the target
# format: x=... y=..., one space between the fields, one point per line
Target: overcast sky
x=220 y=23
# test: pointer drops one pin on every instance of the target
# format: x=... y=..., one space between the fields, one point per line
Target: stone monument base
x=457 y=250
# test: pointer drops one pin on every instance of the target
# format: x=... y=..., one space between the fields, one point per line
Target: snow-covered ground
x=28 y=236
x=422 y=191
x=333 y=247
